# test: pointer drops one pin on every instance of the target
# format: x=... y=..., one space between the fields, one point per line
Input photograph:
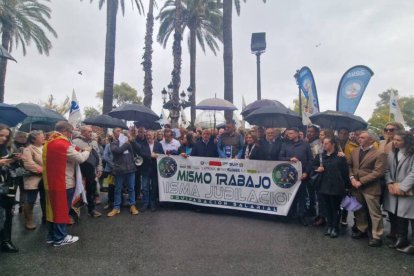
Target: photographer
x=7 y=191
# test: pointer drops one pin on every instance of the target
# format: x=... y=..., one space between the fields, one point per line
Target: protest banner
x=248 y=185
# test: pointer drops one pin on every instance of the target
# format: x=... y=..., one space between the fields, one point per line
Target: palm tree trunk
x=5 y=42
x=228 y=54
x=193 y=57
x=147 y=63
x=176 y=73
x=111 y=12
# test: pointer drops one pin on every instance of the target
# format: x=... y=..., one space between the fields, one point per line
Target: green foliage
x=90 y=111
x=296 y=104
x=25 y=21
x=202 y=16
x=381 y=114
x=123 y=93
x=61 y=108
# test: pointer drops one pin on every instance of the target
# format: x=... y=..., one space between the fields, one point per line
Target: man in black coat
x=270 y=146
x=296 y=150
x=206 y=147
x=140 y=139
x=150 y=150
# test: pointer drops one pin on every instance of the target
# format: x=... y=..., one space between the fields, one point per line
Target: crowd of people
x=379 y=173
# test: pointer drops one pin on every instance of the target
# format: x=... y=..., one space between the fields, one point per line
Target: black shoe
x=359 y=235
x=9 y=247
x=153 y=209
x=143 y=208
x=407 y=250
x=399 y=243
x=328 y=231
x=334 y=233
x=375 y=243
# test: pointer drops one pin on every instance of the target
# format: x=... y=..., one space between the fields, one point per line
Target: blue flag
x=352 y=87
x=307 y=85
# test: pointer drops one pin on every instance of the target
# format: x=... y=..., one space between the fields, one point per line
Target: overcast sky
x=376 y=33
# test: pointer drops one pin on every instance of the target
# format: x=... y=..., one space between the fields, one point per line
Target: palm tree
x=204 y=19
x=147 y=57
x=111 y=14
x=21 y=22
x=228 y=49
x=176 y=72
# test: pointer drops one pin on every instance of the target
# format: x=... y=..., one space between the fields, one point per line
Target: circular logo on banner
x=352 y=90
x=167 y=167
x=285 y=175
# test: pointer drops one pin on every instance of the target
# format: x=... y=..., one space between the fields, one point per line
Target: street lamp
x=173 y=105
x=258 y=46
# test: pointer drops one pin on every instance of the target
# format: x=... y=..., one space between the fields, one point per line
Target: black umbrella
x=259 y=104
x=148 y=125
x=11 y=115
x=44 y=126
x=105 y=121
x=5 y=54
x=272 y=116
x=134 y=112
x=336 y=120
x=37 y=114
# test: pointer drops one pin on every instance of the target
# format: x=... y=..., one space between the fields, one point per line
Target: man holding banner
x=298 y=151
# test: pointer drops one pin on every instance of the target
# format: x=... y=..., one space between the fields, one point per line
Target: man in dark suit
x=150 y=150
x=206 y=147
x=366 y=167
x=140 y=139
x=270 y=146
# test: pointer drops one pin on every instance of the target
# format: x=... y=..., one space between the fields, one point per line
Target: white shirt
x=172 y=145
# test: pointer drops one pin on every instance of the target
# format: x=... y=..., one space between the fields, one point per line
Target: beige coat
x=370 y=171
x=73 y=159
x=32 y=161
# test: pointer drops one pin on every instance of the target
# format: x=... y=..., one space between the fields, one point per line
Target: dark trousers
x=321 y=205
x=6 y=230
x=393 y=223
x=299 y=203
x=89 y=173
x=31 y=197
x=333 y=207
x=138 y=182
x=402 y=227
x=150 y=188
x=58 y=231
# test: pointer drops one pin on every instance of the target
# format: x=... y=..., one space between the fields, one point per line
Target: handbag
x=350 y=203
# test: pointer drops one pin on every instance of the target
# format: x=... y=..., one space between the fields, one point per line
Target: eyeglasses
x=389 y=129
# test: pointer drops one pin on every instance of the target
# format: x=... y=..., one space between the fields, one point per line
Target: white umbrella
x=215 y=104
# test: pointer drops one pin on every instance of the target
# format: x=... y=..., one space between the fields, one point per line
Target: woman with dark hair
x=334 y=180
x=399 y=198
x=252 y=147
x=186 y=145
x=7 y=198
x=33 y=182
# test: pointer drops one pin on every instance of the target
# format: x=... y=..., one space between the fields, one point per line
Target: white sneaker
x=67 y=240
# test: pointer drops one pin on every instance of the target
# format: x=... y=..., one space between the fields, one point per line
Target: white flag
x=184 y=121
x=395 y=109
x=305 y=118
x=75 y=116
x=163 y=119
